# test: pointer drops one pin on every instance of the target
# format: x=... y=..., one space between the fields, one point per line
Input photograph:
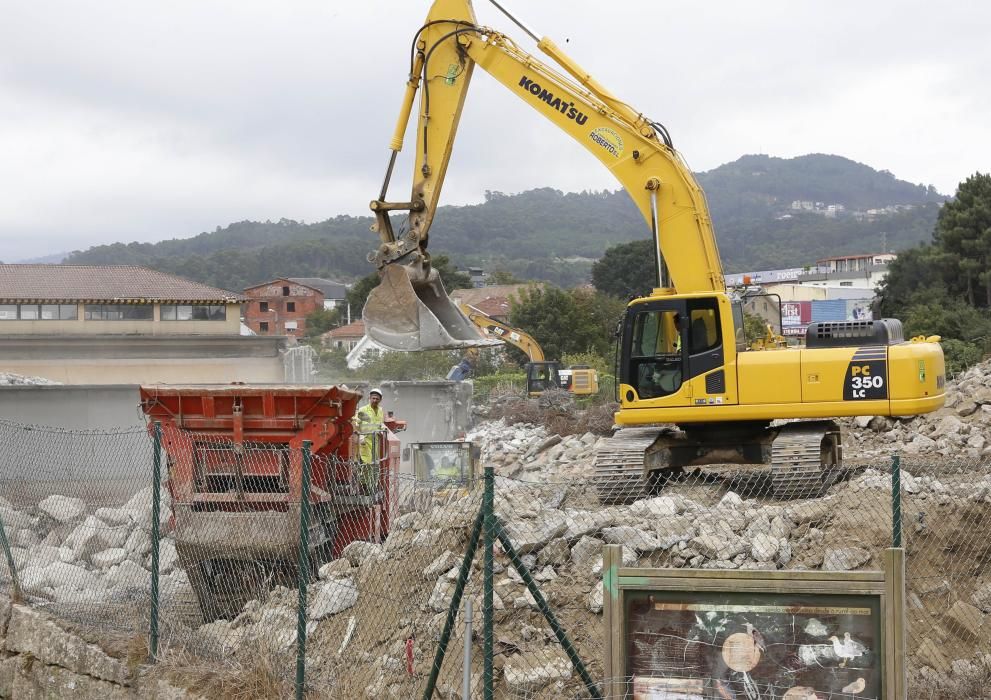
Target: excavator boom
x=411 y=311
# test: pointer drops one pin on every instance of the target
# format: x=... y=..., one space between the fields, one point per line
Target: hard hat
x=375 y=391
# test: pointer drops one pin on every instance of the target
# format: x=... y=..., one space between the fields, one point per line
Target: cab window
x=655 y=353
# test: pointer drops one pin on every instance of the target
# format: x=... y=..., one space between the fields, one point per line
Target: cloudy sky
x=130 y=120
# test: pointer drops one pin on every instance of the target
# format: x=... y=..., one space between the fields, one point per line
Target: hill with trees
x=547 y=235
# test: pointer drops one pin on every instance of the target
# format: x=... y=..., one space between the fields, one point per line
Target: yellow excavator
x=541 y=374
x=690 y=391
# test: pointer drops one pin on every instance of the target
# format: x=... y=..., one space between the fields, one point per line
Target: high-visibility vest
x=369 y=419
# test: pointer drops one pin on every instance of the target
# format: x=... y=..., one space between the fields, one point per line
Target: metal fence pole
x=452 y=609
x=466 y=681
x=156 y=535
x=896 y=502
x=303 y=577
x=18 y=594
x=488 y=507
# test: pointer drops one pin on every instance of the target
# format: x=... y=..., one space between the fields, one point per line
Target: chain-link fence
x=237 y=590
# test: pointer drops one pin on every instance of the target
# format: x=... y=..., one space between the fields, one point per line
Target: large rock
x=332 y=597
x=93 y=535
x=30 y=632
x=764 y=548
x=445 y=562
x=719 y=548
x=982 y=598
x=336 y=568
x=555 y=553
x=34 y=680
x=443 y=593
x=659 y=507
x=845 y=559
x=16 y=520
x=127 y=575
x=525 y=674
x=579 y=523
x=632 y=537
x=674 y=530
x=63 y=508
x=58 y=574
x=586 y=549
x=531 y=535
x=359 y=551
x=964 y=620
x=109 y=557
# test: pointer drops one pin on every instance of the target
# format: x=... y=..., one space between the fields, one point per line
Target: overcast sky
x=133 y=120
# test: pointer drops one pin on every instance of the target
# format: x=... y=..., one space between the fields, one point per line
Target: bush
x=494 y=384
x=959 y=355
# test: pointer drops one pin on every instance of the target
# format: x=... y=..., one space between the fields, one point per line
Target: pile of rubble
x=12 y=379
x=400 y=590
x=65 y=554
x=526 y=451
x=960 y=431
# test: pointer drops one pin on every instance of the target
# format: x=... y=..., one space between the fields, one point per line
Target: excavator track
x=620 y=476
x=801 y=454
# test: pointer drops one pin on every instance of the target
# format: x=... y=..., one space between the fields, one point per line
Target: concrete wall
x=108 y=469
x=146 y=359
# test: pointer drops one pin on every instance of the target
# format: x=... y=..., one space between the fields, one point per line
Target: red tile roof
x=355 y=329
x=105 y=283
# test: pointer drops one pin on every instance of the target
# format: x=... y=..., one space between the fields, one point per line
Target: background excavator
x=690 y=391
x=541 y=374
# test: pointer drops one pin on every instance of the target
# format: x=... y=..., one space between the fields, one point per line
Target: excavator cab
x=541 y=376
x=669 y=341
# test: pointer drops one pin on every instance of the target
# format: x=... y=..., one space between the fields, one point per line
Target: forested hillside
x=544 y=234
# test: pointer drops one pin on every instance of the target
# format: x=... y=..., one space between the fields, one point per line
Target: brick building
x=280 y=307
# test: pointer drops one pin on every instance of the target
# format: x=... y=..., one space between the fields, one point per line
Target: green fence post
x=156 y=535
x=303 y=577
x=488 y=508
x=452 y=609
x=896 y=501
x=18 y=594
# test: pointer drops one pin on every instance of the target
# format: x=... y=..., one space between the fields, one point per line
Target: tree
x=359 y=291
x=575 y=321
x=321 y=320
x=963 y=229
x=500 y=276
x=626 y=270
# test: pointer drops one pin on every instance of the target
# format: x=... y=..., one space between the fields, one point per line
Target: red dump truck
x=234 y=473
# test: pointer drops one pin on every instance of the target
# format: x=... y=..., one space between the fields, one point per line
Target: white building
x=865 y=271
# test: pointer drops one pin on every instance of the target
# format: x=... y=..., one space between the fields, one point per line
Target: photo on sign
x=752 y=646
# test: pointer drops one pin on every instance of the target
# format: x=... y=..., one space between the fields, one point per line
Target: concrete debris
x=845 y=559
x=12 y=379
x=63 y=509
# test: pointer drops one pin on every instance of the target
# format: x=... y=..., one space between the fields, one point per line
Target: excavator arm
x=410 y=310
x=497 y=329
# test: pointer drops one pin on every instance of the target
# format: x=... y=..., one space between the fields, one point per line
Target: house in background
x=334 y=293
x=280 y=307
x=124 y=324
x=492 y=301
x=345 y=337
x=111 y=300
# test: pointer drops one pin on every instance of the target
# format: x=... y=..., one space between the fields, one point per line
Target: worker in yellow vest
x=369 y=421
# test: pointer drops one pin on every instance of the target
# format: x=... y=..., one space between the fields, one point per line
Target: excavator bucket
x=402 y=315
